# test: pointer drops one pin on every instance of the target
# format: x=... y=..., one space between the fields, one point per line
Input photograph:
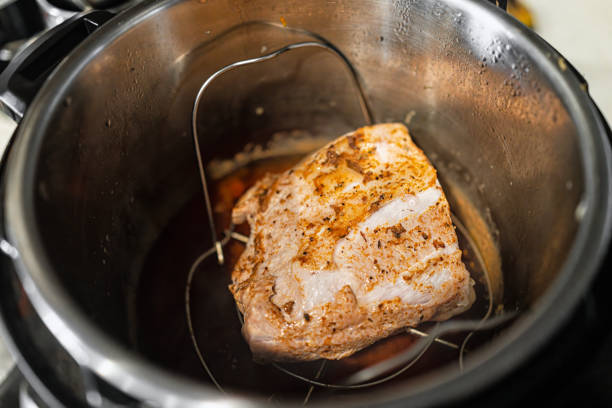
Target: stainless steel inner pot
x=103 y=160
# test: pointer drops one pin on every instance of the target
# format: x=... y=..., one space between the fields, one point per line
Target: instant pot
x=102 y=162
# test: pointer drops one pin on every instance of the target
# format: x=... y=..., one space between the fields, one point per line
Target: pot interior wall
x=118 y=162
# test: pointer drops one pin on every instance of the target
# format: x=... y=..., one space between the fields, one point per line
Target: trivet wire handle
x=362 y=101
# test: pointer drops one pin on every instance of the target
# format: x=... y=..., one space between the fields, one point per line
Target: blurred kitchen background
x=580 y=30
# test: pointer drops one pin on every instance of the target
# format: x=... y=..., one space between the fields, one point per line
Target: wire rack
x=382 y=371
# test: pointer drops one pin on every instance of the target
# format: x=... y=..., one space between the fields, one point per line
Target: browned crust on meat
x=343 y=326
x=354 y=161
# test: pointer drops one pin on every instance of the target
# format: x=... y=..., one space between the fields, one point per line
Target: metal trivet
x=372 y=375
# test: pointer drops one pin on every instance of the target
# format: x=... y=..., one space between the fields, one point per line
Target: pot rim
x=92 y=348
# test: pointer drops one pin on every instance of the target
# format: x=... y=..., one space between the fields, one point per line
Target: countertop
x=581 y=31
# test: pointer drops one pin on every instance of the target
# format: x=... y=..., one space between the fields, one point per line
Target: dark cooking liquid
x=162 y=330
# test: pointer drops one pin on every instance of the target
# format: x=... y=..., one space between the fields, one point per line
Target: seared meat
x=350 y=246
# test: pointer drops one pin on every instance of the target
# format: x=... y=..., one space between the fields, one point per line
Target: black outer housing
x=558 y=373
x=26 y=73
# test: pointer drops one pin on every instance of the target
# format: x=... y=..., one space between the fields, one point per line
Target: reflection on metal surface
x=26 y=400
x=6 y=361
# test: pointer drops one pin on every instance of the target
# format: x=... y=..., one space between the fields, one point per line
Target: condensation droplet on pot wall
x=580 y=211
